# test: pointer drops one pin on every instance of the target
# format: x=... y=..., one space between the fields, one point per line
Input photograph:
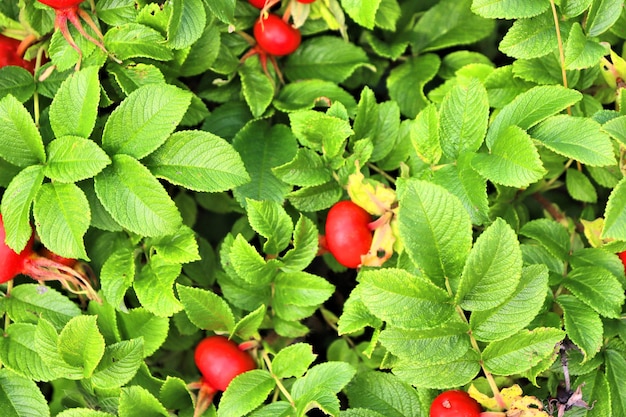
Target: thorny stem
x=561 y=50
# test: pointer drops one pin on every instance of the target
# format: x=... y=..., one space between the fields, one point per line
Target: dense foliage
x=190 y=170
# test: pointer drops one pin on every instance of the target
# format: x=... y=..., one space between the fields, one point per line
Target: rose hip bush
x=191 y=183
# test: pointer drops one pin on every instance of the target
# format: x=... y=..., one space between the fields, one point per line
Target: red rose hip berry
x=220 y=360
x=275 y=36
x=348 y=235
x=455 y=403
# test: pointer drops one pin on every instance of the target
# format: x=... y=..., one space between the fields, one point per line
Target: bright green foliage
x=192 y=174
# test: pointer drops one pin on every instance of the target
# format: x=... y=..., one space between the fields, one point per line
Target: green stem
x=381 y=172
x=279 y=383
x=561 y=49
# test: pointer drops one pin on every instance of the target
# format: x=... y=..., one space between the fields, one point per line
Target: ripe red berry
x=9 y=54
x=348 y=235
x=13 y=264
x=305 y=1
x=455 y=403
x=220 y=360
x=259 y=4
x=622 y=256
x=275 y=36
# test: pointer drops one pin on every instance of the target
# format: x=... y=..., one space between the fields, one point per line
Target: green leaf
x=270 y=220
x=250 y=265
x=293 y=361
x=437 y=244
x=15 y=207
x=72 y=159
x=580 y=51
x=181 y=247
x=406 y=83
x=254 y=386
x=449 y=23
x=174 y=394
x=512 y=160
x=614 y=215
x=615 y=364
x=21 y=397
x=19 y=352
x=258 y=88
x=129 y=78
x=316 y=198
x=139 y=324
x=424 y=134
x=307 y=168
x=531 y=38
x=134 y=40
x=154 y=286
x=16 y=81
x=321 y=384
x=62 y=218
x=186 y=23
x=616 y=127
x=602 y=15
x=116 y=12
x=530 y=108
x=595 y=385
x=356 y=316
x=31 y=302
x=573 y=8
x=598 y=288
x=464 y=114
x=198 y=161
x=383 y=393
x=136 y=401
x=328 y=58
x=83 y=412
x=580 y=187
x=203 y=53
x=394 y=295
x=509 y=9
x=517 y=311
x=446 y=342
x=117 y=276
x=363 y=13
x=300 y=289
x=493 y=269
x=305 y=246
x=75 y=106
x=379 y=123
x=503 y=86
x=582 y=324
x=307 y=94
x=136 y=199
x=144 y=120
x=224 y=10
x=119 y=364
x=575 y=137
x=20 y=141
x=550 y=234
x=443 y=375
x=81 y=344
x=249 y=325
x=206 y=309
x=521 y=351
x=263 y=147
x=321 y=132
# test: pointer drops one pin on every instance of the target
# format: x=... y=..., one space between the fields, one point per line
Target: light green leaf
x=575 y=137
x=254 y=386
x=328 y=58
x=140 y=324
x=301 y=289
x=379 y=123
x=119 y=364
x=493 y=269
x=321 y=132
x=436 y=231
x=83 y=412
x=595 y=385
x=616 y=127
x=198 y=161
x=404 y=300
x=224 y=10
x=580 y=187
x=443 y=375
x=249 y=325
x=550 y=234
x=206 y=309
x=115 y=12
x=181 y=247
x=258 y=89
x=316 y=198
x=532 y=107
x=75 y=106
x=186 y=24
x=20 y=141
x=117 y=276
x=29 y=303
x=136 y=199
x=21 y=397
x=293 y=361
x=573 y=8
x=134 y=40
x=307 y=94
x=509 y=9
x=580 y=51
x=16 y=81
x=424 y=134
x=531 y=38
x=154 y=286
x=144 y=120
x=406 y=83
x=582 y=324
x=136 y=401
x=270 y=220
x=463 y=118
x=321 y=384
x=513 y=160
x=517 y=311
x=503 y=86
x=307 y=168
x=72 y=159
x=305 y=246
x=19 y=352
x=356 y=316
x=521 y=351
x=598 y=288
x=15 y=207
x=250 y=265
x=131 y=77
x=614 y=215
x=615 y=364
x=602 y=15
x=62 y=217
x=81 y=344
x=363 y=13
